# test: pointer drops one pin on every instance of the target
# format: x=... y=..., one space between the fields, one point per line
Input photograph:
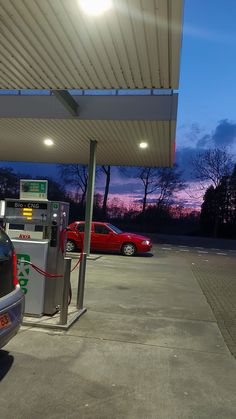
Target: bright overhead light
x=143 y=145
x=48 y=142
x=95 y=7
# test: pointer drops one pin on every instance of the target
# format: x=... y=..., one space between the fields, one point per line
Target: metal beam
x=116 y=108
x=67 y=101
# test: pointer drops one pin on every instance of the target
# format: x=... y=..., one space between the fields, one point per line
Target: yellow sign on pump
x=27 y=212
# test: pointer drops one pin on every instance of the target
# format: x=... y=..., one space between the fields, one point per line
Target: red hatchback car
x=106 y=237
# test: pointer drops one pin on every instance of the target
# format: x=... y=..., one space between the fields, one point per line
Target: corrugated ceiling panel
x=52 y=44
x=175 y=42
x=118 y=141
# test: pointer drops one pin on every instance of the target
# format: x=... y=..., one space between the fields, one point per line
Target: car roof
x=93 y=222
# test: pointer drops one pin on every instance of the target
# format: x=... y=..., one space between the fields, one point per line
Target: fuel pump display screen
x=27 y=211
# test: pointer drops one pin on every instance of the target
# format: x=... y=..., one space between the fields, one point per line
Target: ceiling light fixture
x=143 y=145
x=48 y=142
x=95 y=7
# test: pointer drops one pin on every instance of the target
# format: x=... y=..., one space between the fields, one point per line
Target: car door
x=6 y=265
x=102 y=237
x=76 y=233
x=80 y=235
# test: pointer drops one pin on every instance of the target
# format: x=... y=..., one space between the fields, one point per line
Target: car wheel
x=128 y=249
x=70 y=246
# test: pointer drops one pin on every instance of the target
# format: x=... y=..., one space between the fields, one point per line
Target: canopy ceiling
x=118 y=141
x=28 y=120
x=53 y=45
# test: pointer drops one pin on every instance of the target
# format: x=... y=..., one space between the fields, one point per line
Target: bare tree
x=148 y=176
x=212 y=164
x=169 y=181
x=9 y=183
x=75 y=175
x=163 y=182
x=107 y=171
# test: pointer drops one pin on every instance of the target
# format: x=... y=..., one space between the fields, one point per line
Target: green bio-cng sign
x=33 y=189
x=23 y=271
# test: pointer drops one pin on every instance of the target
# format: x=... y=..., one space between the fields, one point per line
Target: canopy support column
x=88 y=222
x=89 y=196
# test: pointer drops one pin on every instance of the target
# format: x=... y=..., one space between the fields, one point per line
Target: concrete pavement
x=148 y=348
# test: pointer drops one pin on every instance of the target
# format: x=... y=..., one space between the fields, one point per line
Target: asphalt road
x=215 y=271
x=148 y=347
x=194 y=242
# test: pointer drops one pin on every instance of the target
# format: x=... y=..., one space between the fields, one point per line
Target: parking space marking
x=199 y=250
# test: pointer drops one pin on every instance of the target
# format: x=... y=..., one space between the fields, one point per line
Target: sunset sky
x=206 y=112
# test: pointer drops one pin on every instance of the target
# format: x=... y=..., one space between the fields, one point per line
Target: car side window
x=80 y=228
x=100 y=229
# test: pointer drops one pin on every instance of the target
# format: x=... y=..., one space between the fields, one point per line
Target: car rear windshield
x=6 y=265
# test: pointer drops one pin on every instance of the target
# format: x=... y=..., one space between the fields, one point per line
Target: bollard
x=65 y=295
x=80 y=293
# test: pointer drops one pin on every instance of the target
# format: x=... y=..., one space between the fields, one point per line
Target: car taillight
x=15 y=279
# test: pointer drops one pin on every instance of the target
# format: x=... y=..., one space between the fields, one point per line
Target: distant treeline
x=218 y=211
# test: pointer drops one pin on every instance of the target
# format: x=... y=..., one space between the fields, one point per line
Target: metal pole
x=88 y=222
x=80 y=293
x=65 y=295
x=89 y=196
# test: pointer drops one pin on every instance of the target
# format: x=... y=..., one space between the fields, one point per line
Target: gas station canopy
x=55 y=45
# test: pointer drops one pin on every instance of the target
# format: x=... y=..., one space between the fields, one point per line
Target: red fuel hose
x=49 y=275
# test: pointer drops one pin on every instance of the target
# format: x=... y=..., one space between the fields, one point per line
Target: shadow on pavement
x=137 y=255
x=6 y=361
x=114 y=253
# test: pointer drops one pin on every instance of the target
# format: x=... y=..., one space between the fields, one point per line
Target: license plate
x=4 y=320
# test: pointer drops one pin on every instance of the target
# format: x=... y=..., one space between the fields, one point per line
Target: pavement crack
x=145 y=344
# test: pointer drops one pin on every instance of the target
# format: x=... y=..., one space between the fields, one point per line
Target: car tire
x=128 y=249
x=70 y=246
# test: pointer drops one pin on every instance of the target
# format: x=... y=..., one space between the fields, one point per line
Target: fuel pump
x=37 y=230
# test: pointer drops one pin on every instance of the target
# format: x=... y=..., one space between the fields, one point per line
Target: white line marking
x=215 y=249
x=184 y=250
x=166 y=248
x=201 y=251
x=223 y=254
x=198 y=247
